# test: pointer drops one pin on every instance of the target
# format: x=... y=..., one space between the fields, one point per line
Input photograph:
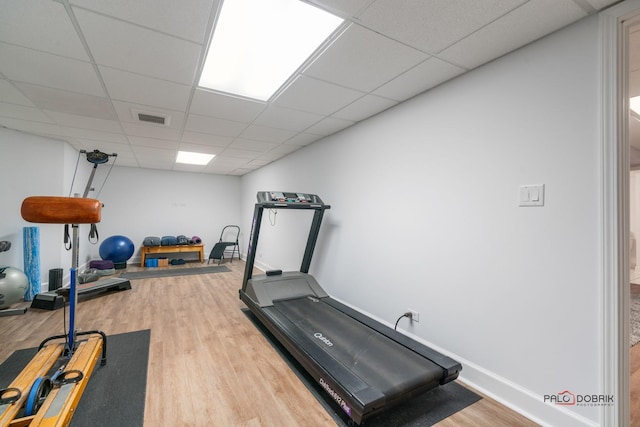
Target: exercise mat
x=172 y=272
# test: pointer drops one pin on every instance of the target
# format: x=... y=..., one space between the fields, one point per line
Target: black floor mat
x=423 y=410
x=115 y=394
x=172 y=272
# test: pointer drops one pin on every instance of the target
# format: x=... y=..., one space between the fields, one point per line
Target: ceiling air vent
x=154 y=118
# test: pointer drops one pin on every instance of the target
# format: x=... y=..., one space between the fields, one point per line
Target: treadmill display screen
x=278 y=196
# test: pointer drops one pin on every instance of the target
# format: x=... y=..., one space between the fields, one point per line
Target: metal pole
x=253 y=242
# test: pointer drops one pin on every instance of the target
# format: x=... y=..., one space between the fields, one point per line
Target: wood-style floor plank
x=208 y=364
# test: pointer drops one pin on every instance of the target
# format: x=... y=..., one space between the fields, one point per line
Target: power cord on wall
x=407 y=314
x=272 y=216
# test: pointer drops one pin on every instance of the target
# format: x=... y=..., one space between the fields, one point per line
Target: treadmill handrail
x=311 y=202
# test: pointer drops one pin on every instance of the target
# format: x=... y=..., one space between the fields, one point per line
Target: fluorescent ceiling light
x=191 y=158
x=258 y=44
x=634 y=104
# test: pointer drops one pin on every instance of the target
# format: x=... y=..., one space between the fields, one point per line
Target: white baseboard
x=517 y=398
x=507 y=393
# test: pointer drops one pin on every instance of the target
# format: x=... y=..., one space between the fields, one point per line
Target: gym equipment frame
x=49 y=388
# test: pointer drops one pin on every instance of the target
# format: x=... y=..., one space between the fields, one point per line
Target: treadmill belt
x=382 y=363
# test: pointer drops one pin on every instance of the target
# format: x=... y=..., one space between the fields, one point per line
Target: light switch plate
x=531 y=195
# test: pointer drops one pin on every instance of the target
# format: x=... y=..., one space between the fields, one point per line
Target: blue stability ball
x=116 y=249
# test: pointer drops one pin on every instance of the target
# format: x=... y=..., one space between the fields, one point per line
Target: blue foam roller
x=31 y=238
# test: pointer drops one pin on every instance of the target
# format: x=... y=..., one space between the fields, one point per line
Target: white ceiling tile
x=329 y=126
x=236 y=153
x=433 y=25
x=84 y=122
x=217 y=169
x=147 y=53
x=94 y=135
x=531 y=20
x=189 y=168
x=424 y=76
x=23 y=112
x=342 y=8
x=139 y=141
x=266 y=134
x=285 y=118
x=139 y=50
x=153 y=163
x=130 y=87
x=153 y=154
x=206 y=139
x=362 y=59
x=247 y=144
x=38 y=128
x=279 y=152
x=9 y=93
x=212 y=104
x=186 y=18
x=203 y=124
x=303 y=139
x=27 y=65
x=68 y=102
x=364 y=107
x=40 y=25
x=255 y=163
x=151 y=130
x=229 y=163
x=315 y=96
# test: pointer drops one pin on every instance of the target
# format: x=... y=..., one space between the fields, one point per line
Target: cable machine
x=48 y=390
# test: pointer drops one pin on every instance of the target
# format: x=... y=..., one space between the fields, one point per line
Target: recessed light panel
x=191 y=158
x=258 y=44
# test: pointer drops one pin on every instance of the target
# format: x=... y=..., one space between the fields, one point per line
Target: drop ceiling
x=82 y=70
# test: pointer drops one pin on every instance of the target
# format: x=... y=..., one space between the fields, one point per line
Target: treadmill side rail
x=451 y=368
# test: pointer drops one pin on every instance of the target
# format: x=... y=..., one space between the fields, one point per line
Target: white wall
x=137 y=202
x=425 y=216
x=145 y=202
x=31 y=166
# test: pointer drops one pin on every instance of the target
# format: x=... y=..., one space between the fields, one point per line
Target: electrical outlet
x=415 y=316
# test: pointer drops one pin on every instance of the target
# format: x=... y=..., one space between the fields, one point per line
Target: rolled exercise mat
x=31 y=238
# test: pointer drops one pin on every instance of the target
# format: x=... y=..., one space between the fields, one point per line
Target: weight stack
x=55 y=278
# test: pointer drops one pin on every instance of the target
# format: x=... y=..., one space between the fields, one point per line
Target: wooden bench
x=146 y=250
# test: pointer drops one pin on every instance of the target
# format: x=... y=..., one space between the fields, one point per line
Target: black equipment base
x=48 y=301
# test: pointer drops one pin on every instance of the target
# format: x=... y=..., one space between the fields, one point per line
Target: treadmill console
x=289 y=199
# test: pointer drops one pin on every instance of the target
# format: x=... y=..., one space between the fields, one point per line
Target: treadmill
x=362 y=364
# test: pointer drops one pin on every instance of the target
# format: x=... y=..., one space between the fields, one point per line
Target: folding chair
x=220 y=248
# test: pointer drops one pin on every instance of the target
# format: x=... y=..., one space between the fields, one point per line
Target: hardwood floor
x=208 y=364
